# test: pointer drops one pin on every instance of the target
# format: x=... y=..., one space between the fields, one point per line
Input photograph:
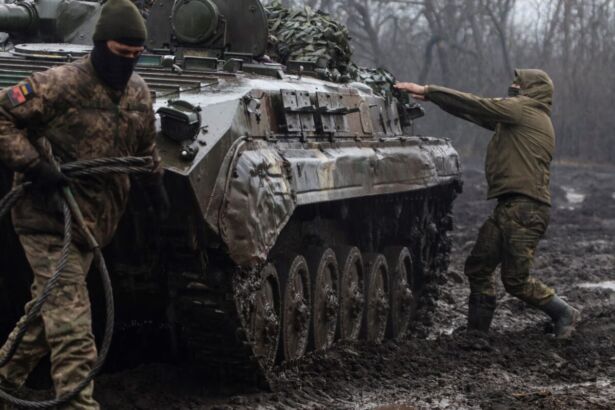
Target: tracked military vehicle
x=304 y=212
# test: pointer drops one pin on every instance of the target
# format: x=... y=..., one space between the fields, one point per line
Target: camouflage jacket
x=520 y=153
x=67 y=110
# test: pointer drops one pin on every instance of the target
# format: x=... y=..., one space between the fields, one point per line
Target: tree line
x=474 y=45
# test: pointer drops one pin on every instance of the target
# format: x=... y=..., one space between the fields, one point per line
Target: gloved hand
x=159 y=199
x=46 y=178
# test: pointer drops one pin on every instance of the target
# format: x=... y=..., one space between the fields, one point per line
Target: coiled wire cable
x=70 y=210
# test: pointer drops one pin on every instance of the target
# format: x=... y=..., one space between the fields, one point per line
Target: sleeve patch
x=19 y=94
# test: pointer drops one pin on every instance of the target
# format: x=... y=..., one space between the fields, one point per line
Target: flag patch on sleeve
x=20 y=94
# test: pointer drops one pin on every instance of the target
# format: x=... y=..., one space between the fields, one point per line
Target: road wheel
x=264 y=321
x=296 y=307
x=377 y=310
x=403 y=300
x=325 y=287
x=429 y=238
x=352 y=294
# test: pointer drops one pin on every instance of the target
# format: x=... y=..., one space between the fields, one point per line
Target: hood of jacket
x=535 y=84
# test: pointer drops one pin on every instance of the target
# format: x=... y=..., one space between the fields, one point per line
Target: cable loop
x=78 y=169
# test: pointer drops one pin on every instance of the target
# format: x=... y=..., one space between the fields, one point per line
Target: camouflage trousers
x=510 y=237
x=64 y=328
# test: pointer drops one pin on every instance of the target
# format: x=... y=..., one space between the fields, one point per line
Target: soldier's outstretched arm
x=24 y=108
x=487 y=112
x=490 y=125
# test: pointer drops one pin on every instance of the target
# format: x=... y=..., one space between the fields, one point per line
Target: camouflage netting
x=379 y=79
x=314 y=37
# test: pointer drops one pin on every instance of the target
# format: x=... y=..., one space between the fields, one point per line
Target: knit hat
x=120 y=19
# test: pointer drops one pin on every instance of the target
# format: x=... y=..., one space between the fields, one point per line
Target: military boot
x=480 y=312
x=564 y=316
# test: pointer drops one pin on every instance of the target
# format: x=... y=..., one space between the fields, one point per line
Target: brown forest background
x=474 y=45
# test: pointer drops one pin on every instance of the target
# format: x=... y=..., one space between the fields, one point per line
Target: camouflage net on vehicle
x=314 y=37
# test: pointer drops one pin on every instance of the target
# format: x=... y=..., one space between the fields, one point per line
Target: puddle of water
x=600 y=285
x=613 y=196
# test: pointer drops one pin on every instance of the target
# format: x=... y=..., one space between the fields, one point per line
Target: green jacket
x=519 y=154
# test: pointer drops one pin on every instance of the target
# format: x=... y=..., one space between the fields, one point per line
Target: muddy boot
x=564 y=316
x=480 y=312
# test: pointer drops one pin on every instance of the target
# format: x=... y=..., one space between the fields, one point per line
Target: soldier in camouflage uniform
x=93 y=108
x=518 y=172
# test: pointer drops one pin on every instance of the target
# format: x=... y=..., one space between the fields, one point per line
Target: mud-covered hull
x=303 y=213
x=265 y=182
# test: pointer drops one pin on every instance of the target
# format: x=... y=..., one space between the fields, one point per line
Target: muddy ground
x=439 y=366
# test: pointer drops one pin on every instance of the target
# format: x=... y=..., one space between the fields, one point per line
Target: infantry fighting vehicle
x=304 y=212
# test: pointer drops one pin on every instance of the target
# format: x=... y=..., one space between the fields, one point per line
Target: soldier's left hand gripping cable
x=95 y=118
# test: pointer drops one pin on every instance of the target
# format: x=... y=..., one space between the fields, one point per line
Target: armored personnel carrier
x=304 y=212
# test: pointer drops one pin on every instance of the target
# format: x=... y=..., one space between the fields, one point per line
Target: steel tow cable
x=70 y=209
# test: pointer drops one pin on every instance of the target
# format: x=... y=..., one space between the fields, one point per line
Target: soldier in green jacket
x=517 y=170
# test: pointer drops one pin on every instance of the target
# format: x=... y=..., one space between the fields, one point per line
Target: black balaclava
x=112 y=69
x=119 y=20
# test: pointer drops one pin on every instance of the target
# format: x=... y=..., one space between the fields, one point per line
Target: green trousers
x=509 y=238
x=64 y=328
